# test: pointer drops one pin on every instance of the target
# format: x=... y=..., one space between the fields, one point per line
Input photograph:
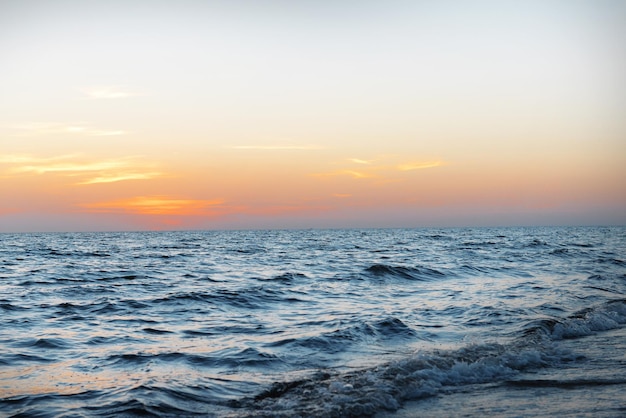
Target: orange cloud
x=157 y=205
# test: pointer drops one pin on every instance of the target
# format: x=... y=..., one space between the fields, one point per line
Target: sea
x=436 y=322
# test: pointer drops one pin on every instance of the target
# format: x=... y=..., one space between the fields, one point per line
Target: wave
x=586 y=322
x=344 y=337
x=141 y=401
x=226 y=359
x=155 y=331
x=402 y=272
x=481 y=271
x=221 y=330
x=611 y=260
x=386 y=387
x=422 y=273
x=537 y=243
x=38 y=282
x=44 y=343
x=393 y=327
x=286 y=278
x=248 y=298
x=12 y=307
x=60 y=253
x=125 y=276
x=111 y=340
x=252 y=249
x=154 y=400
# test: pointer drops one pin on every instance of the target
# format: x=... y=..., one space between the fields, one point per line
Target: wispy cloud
x=157 y=205
x=357 y=174
x=27 y=159
x=55 y=128
x=350 y=173
x=108 y=133
x=359 y=161
x=74 y=165
x=276 y=147
x=107 y=92
x=383 y=169
x=43 y=167
x=419 y=166
x=113 y=178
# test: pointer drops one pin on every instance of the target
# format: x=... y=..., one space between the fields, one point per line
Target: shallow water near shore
x=440 y=322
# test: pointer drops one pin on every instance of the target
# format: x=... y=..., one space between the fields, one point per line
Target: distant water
x=447 y=322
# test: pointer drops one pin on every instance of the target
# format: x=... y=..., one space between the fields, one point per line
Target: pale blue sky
x=515 y=107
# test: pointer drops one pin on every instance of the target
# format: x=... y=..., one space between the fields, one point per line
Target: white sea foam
x=427 y=374
x=609 y=316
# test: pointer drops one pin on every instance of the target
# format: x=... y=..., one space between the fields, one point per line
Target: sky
x=167 y=115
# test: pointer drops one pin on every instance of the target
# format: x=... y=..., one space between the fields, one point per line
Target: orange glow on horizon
x=157 y=205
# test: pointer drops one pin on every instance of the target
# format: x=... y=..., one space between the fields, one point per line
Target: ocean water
x=375 y=322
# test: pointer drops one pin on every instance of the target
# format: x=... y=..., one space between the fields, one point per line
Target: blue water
x=449 y=322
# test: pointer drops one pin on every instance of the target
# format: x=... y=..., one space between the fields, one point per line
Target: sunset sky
x=134 y=115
